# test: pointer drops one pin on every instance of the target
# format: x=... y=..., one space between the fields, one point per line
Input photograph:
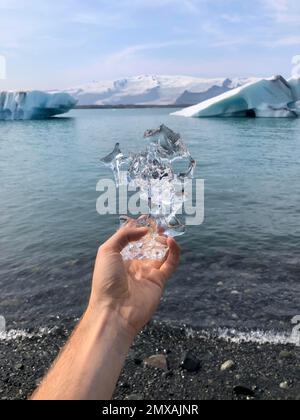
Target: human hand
x=132 y=289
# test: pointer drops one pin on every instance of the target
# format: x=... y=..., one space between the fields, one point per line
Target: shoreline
x=130 y=106
x=166 y=363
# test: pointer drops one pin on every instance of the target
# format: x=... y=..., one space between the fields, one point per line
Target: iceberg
x=34 y=105
x=275 y=97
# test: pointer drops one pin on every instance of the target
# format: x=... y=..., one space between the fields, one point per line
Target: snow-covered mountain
x=154 y=90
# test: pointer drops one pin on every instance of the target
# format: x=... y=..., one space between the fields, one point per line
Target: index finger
x=172 y=261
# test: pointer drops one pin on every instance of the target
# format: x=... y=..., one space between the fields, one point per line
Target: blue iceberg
x=274 y=97
x=34 y=105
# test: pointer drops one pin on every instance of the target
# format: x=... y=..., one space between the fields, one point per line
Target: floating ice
x=274 y=97
x=34 y=105
x=151 y=172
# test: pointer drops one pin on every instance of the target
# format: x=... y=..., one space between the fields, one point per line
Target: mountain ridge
x=153 y=90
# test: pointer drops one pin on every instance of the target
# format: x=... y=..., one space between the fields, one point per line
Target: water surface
x=240 y=268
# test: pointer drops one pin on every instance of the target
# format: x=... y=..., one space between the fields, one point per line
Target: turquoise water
x=240 y=268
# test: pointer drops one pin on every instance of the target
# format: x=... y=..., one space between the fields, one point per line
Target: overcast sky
x=62 y=43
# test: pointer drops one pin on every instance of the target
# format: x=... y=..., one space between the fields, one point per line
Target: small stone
x=285 y=355
x=220 y=284
x=227 y=365
x=284 y=385
x=124 y=385
x=235 y=293
x=190 y=362
x=134 y=397
x=167 y=375
x=243 y=391
x=137 y=361
x=158 y=361
x=19 y=366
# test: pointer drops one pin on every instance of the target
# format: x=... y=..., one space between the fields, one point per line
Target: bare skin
x=124 y=297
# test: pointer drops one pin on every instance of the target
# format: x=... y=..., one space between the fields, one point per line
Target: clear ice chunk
x=114 y=161
x=151 y=247
x=151 y=172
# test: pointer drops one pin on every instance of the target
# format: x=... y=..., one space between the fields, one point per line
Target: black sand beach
x=189 y=366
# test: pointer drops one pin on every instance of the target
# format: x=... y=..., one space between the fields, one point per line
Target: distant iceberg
x=274 y=97
x=34 y=105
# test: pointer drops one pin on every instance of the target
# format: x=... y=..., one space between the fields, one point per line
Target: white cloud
x=296 y=66
x=191 y=6
x=133 y=50
x=286 y=41
x=98 y=19
x=232 y=18
x=283 y=11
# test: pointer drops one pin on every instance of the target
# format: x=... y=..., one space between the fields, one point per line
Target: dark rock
x=167 y=375
x=124 y=385
x=137 y=361
x=190 y=362
x=243 y=391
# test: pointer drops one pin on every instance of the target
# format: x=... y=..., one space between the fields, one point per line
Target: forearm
x=90 y=364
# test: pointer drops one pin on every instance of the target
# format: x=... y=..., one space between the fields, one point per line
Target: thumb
x=123 y=237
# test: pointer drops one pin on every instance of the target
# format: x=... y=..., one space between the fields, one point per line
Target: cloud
x=283 y=11
x=296 y=66
x=133 y=50
x=232 y=18
x=219 y=38
x=286 y=41
x=98 y=19
x=190 y=6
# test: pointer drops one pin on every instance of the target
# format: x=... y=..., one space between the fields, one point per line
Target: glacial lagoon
x=240 y=269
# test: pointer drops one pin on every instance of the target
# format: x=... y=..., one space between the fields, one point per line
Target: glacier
x=272 y=97
x=153 y=90
x=34 y=105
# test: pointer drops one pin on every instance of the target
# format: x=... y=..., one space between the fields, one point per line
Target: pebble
x=227 y=365
x=19 y=366
x=243 y=391
x=286 y=354
x=134 y=397
x=284 y=385
x=137 y=361
x=158 y=361
x=190 y=362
